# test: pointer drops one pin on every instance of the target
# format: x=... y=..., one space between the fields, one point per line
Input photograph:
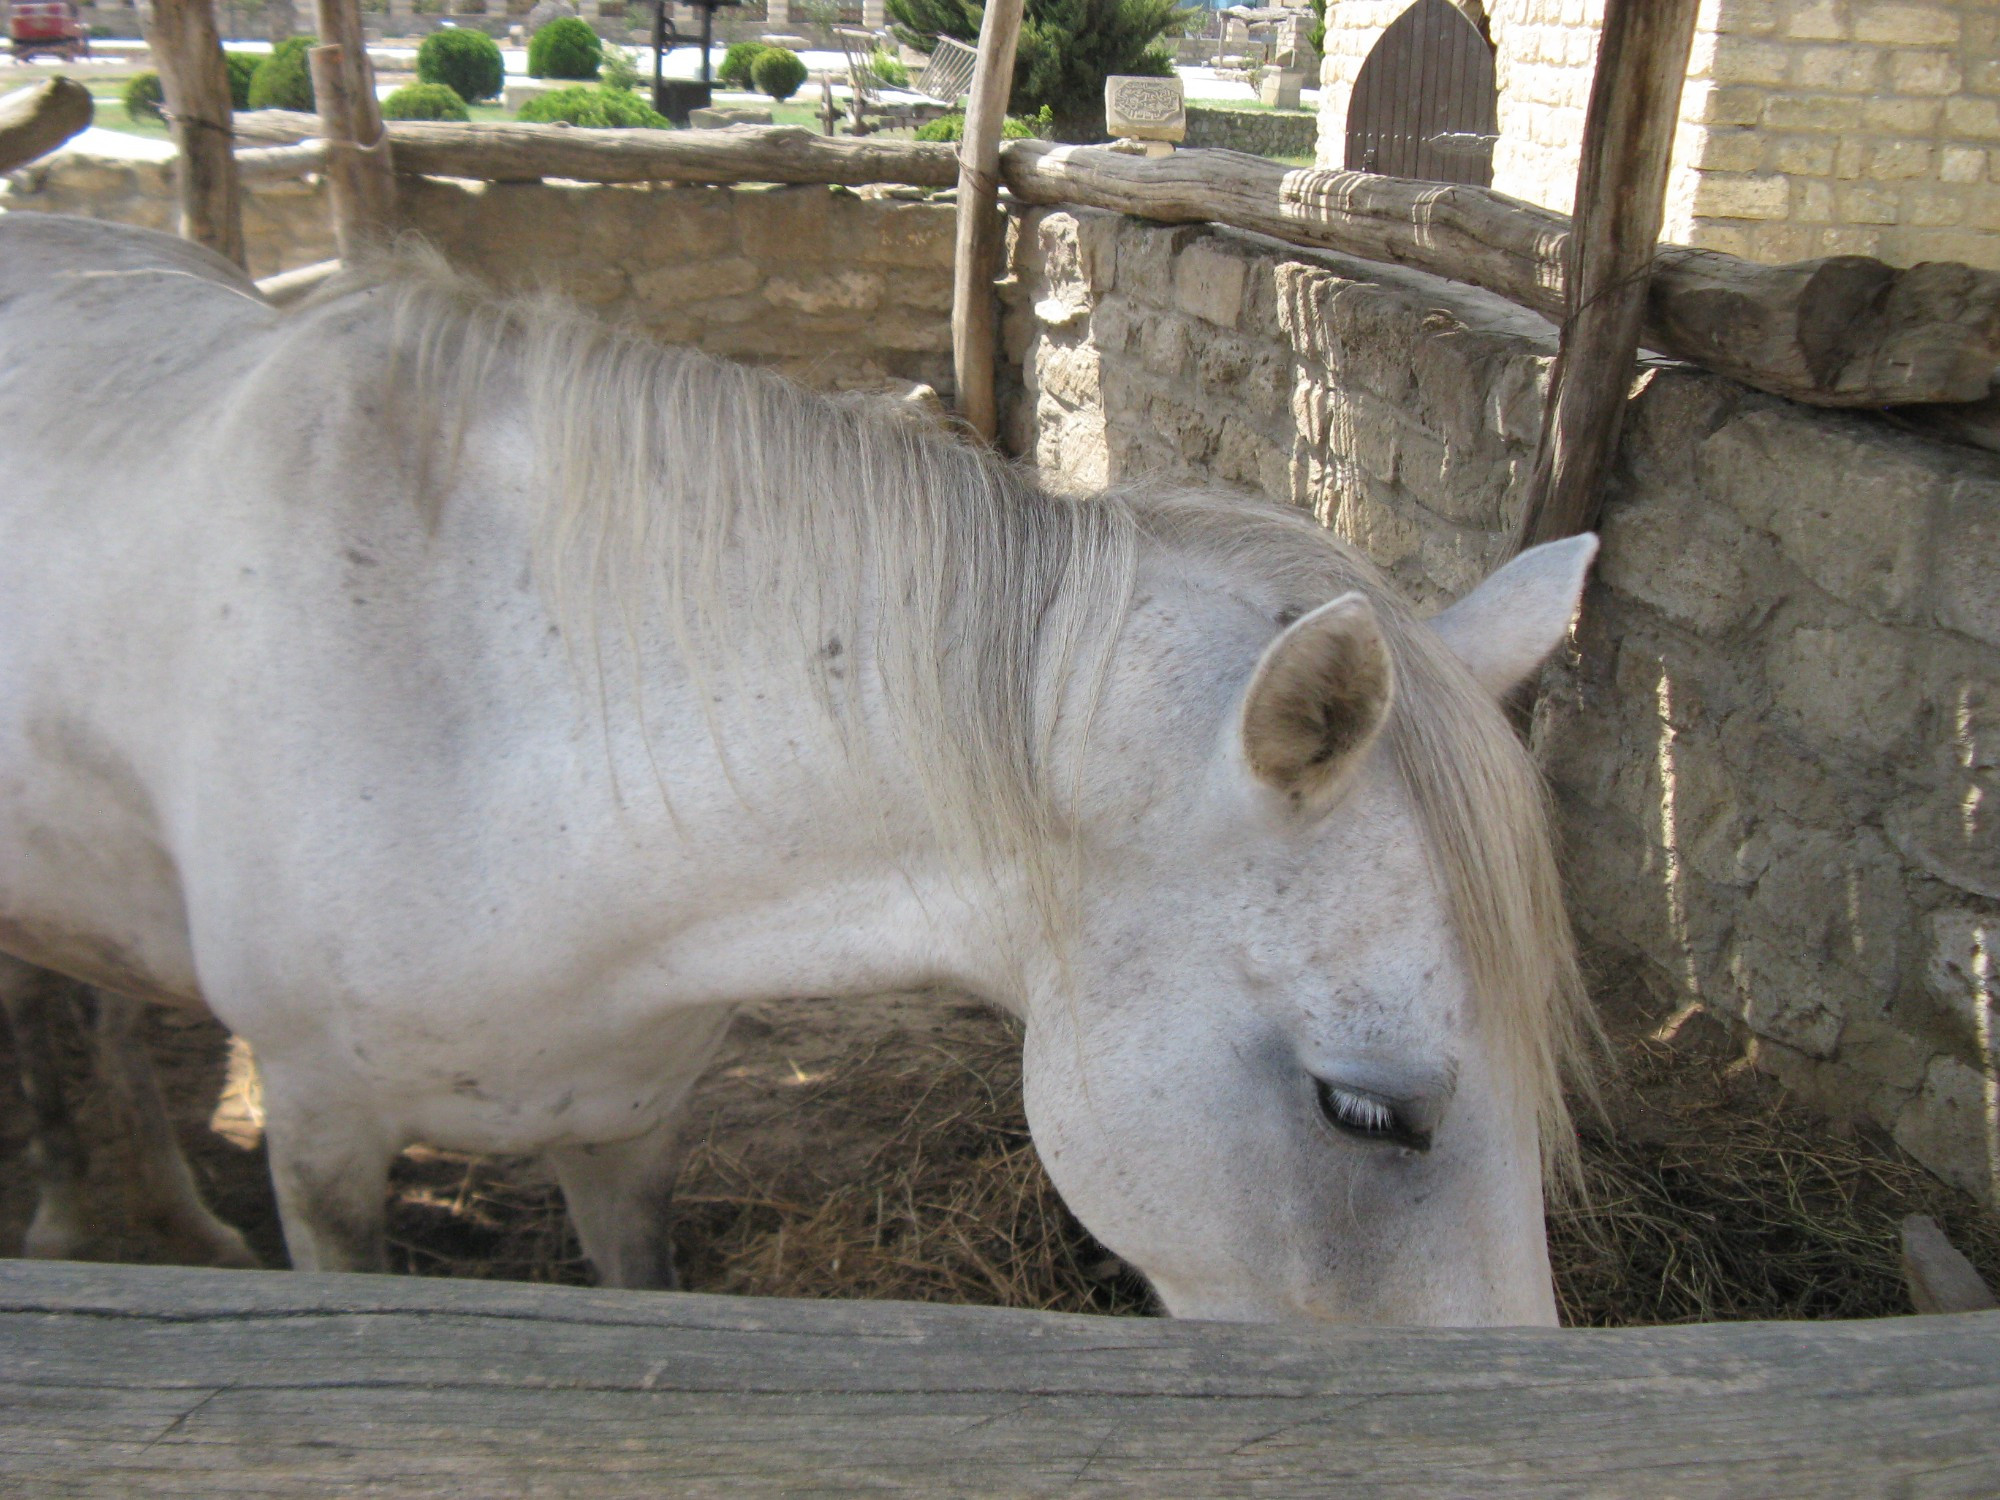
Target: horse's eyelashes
x=1364 y=1115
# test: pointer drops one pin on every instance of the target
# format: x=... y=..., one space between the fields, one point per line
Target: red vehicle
x=47 y=26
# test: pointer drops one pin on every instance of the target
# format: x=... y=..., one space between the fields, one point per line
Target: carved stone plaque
x=1145 y=109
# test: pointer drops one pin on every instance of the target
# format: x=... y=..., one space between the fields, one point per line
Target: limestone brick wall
x=1845 y=127
x=1776 y=747
x=285 y=225
x=1808 y=127
x=840 y=290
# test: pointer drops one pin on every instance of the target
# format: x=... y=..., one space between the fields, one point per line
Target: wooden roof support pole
x=188 y=50
x=1621 y=188
x=975 y=307
x=360 y=180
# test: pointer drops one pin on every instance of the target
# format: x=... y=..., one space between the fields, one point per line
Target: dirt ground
x=878 y=1149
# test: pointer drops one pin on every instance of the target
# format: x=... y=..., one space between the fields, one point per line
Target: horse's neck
x=725 y=840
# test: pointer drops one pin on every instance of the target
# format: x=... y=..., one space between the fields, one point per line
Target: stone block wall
x=838 y=289
x=285 y=225
x=1776 y=746
x=1261 y=132
x=1808 y=127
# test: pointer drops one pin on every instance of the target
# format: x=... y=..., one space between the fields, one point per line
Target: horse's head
x=1307 y=1041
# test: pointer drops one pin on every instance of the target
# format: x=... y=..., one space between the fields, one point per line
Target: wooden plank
x=37 y=119
x=1846 y=331
x=975 y=308
x=1621 y=201
x=162 y=1382
x=187 y=49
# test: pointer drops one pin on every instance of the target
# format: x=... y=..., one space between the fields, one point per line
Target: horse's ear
x=1504 y=628
x=1317 y=700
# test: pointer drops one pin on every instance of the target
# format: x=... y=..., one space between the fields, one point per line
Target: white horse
x=469 y=703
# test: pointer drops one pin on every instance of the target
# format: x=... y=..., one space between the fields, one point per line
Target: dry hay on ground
x=878 y=1149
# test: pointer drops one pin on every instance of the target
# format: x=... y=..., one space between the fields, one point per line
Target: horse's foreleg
x=330 y=1168
x=60 y=1229
x=161 y=1190
x=620 y=1193
x=620 y=1197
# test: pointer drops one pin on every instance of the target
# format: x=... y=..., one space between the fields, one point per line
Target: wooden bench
x=873 y=103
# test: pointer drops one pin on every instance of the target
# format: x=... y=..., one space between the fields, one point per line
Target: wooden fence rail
x=128 y=1380
x=1846 y=331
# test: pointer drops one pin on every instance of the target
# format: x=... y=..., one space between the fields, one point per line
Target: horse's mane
x=679 y=482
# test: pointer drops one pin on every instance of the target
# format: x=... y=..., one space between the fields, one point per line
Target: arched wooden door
x=1425 y=104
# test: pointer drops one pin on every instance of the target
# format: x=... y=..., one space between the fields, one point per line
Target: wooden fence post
x=975 y=312
x=188 y=49
x=1621 y=185
x=360 y=179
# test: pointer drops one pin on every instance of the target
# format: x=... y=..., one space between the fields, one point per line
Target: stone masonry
x=837 y=289
x=1808 y=128
x=1776 y=746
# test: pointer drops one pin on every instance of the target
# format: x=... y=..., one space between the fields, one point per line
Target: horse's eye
x=1368 y=1117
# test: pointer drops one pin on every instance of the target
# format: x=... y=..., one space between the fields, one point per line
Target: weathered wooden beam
x=1848 y=331
x=187 y=49
x=280 y=163
x=743 y=153
x=37 y=119
x=360 y=178
x=128 y=1380
x=1842 y=332
x=1621 y=199
x=975 y=307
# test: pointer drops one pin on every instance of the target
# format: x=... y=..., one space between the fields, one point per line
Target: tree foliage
x=1067 y=49
x=464 y=60
x=735 y=69
x=565 y=48
x=425 y=101
x=283 y=80
x=242 y=67
x=595 y=107
x=145 y=99
x=778 y=71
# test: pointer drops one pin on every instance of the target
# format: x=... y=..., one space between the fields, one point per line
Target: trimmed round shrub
x=283 y=80
x=565 y=49
x=463 y=60
x=145 y=99
x=737 y=62
x=597 y=108
x=242 y=68
x=778 y=72
x=952 y=128
x=424 y=101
